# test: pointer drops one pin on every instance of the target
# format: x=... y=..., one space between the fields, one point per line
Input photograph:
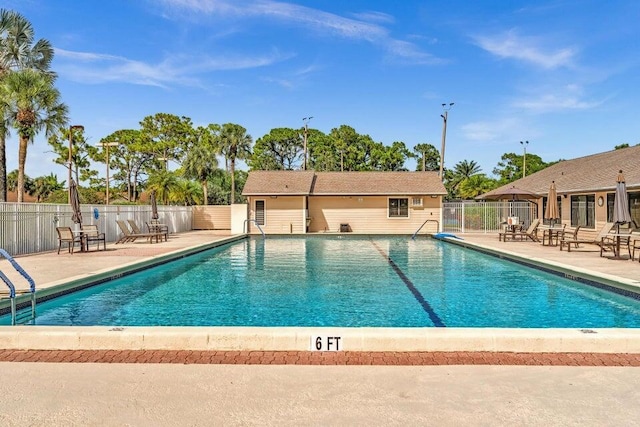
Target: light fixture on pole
x=106 y=145
x=524 y=158
x=444 y=116
x=71 y=129
x=306 y=131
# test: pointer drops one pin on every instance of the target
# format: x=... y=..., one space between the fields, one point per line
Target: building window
x=416 y=202
x=583 y=211
x=260 y=214
x=399 y=208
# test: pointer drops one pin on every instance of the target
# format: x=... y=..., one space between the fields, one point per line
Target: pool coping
x=362 y=339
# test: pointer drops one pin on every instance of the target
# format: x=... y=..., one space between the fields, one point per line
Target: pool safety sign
x=326 y=343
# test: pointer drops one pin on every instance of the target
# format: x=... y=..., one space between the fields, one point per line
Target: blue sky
x=563 y=75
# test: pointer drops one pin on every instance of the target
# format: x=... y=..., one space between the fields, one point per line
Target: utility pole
x=444 y=116
x=106 y=145
x=71 y=129
x=306 y=131
x=524 y=158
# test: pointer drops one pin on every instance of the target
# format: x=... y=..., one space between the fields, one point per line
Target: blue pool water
x=342 y=281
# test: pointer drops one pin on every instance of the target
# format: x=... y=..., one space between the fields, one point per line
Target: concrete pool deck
x=50 y=270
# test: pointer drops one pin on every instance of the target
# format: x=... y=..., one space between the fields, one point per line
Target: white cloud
x=372 y=16
x=91 y=67
x=528 y=49
x=569 y=97
x=365 y=27
x=551 y=102
x=491 y=131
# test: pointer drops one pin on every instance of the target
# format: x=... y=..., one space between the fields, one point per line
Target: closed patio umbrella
x=552 y=212
x=74 y=200
x=154 y=206
x=621 y=214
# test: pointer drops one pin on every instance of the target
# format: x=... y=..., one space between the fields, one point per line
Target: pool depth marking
x=416 y=293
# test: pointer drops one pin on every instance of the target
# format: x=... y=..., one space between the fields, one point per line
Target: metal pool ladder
x=12 y=289
x=418 y=230
x=244 y=226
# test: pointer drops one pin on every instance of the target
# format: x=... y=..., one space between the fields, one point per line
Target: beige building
x=586 y=186
x=298 y=202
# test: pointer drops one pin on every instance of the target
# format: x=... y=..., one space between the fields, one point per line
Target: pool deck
x=51 y=271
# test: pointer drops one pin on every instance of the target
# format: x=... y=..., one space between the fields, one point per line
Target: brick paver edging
x=319 y=358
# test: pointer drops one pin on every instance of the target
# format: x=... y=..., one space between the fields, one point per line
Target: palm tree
x=33 y=104
x=475 y=185
x=164 y=183
x=200 y=165
x=187 y=193
x=461 y=171
x=43 y=186
x=17 y=52
x=234 y=143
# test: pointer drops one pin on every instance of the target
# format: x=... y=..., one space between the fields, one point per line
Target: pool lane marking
x=416 y=293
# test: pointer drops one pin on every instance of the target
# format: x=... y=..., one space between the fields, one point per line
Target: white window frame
x=417 y=205
x=398 y=217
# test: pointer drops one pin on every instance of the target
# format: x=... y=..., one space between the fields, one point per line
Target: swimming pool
x=350 y=281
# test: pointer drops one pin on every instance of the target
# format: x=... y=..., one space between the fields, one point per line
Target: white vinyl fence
x=485 y=217
x=31 y=227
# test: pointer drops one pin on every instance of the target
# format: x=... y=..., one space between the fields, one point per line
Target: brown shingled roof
x=597 y=172
x=342 y=183
x=370 y=183
x=266 y=183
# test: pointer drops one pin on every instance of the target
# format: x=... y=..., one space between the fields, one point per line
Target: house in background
x=586 y=186
x=298 y=202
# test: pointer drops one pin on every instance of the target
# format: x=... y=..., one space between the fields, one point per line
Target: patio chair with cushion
x=606 y=229
x=92 y=234
x=65 y=235
x=529 y=233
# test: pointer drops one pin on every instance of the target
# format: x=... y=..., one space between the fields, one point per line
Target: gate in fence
x=485 y=217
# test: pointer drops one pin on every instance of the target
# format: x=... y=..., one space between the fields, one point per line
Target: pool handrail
x=420 y=228
x=12 y=288
x=244 y=226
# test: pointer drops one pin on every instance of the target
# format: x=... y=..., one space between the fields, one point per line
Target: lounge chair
x=65 y=235
x=598 y=240
x=92 y=234
x=129 y=236
x=529 y=233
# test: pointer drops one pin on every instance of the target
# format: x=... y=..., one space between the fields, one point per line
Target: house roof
x=342 y=183
x=267 y=183
x=597 y=172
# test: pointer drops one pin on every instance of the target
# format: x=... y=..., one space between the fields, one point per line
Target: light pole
x=444 y=116
x=306 y=130
x=106 y=145
x=524 y=158
x=71 y=129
